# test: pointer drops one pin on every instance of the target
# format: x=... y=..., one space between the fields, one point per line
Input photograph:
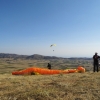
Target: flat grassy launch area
x=73 y=86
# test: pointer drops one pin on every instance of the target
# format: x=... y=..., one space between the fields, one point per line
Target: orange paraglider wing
x=43 y=71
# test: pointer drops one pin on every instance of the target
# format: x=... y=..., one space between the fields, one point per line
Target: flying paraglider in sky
x=52 y=45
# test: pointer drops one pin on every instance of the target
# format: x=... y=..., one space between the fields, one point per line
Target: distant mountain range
x=35 y=56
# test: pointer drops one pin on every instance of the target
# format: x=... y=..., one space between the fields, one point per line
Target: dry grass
x=74 y=86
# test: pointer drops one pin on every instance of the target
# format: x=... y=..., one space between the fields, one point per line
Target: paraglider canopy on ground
x=43 y=71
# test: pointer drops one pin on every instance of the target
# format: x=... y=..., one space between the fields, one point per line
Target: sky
x=29 y=27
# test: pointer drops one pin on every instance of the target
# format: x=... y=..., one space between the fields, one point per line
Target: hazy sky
x=29 y=27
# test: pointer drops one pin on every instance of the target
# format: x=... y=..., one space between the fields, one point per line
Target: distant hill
x=7 y=55
x=36 y=56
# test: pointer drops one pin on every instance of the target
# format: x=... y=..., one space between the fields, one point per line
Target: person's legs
x=94 y=68
x=49 y=67
x=97 y=68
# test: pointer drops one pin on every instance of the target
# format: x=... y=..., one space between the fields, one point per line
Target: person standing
x=95 y=62
x=49 y=66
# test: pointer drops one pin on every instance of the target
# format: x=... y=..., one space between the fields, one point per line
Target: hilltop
x=73 y=86
x=37 y=56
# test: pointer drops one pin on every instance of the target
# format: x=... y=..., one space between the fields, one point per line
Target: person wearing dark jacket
x=95 y=62
x=49 y=66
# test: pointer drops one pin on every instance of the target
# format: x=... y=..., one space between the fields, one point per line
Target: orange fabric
x=72 y=70
x=81 y=69
x=44 y=71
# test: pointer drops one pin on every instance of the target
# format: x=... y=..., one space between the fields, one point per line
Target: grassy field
x=8 y=65
x=73 y=86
